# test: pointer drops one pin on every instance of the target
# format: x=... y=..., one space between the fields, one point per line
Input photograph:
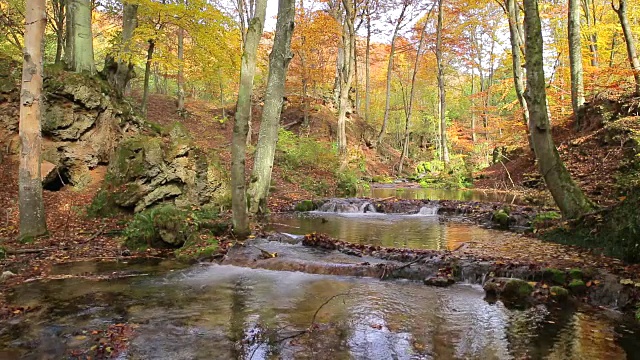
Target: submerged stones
x=439 y=281
x=513 y=292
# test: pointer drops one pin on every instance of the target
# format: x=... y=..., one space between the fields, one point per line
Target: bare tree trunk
x=147 y=75
x=270 y=123
x=387 y=102
x=79 y=52
x=612 y=53
x=567 y=195
x=119 y=73
x=346 y=77
x=441 y=87
x=181 y=70
x=513 y=15
x=58 y=13
x=240 y=127
x=32 y=216
x=588 y=6
x=575 y=60
x=367 y=65
x=473 y=105
x=414 y=76
x=629 y=40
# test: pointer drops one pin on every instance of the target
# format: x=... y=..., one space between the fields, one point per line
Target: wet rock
x=559 y=293
x=516 y=292
x=439 y=281
x=6 y=275
x=577 y=287
x=501 y=218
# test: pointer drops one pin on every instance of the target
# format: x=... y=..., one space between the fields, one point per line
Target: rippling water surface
x=226 y=312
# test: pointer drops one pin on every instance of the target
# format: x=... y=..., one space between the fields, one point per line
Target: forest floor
x=75 y=237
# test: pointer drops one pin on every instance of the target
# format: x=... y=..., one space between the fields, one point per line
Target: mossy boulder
x=306 y=205
x=516 y=292
x=577 y=287
x=148 y=170
x=576 y=274
x=559 y=293
x=554 y=276
x=501 y=218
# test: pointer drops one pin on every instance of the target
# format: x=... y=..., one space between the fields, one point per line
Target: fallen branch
x=311 y=325
x=28 y=251
x=393 y=268
x=96 y=234
x=508 y=174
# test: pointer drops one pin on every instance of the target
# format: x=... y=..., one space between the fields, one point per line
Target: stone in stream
x=439 y=281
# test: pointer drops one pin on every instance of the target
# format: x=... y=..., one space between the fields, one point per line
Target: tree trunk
x=367 y=65
x=591 y=23
x=612 y=53
x=32 y=216
x=473 y=105
x=441 y=87
x=513 y=15
x=346 y=77
x=575 y=59
x=387 y=101
x=118 y=73
x=567 y=195
x=58 y=12
x=629 y=40
x=147 y=75
x=414 y=75
x=241 y=124
x=181 y=70
x=270 y=123
x=79 y=52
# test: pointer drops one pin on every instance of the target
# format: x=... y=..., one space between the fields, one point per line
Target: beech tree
x=270 y=124
x=79 y=45
x=575 y=59
x=566 y=194
x=442 y=108
x=346 y=73
x=621 y=10
x=32 y=216
x=241 y=124
x=119 y=72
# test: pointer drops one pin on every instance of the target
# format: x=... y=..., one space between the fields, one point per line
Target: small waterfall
x=429 y=210
x=352 y=206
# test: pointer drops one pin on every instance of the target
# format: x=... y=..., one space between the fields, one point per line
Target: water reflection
x=392 y=230
x=441 y=194
x=226 y=312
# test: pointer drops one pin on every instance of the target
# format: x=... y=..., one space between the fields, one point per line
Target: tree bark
x=367 y=65
x=513 y=15
x=346 y=77
x=32 y=216
x=566 y=194
x=118 y=73
x=590 y=15
x=240 y=127
x=59 y=15
x=441 y=87
x=630 y=41
x=575 y=59
x=473 y=105
x=147 y=75
x=79 y=51
x=180 y=70
x=270 y=123
x=387 y=101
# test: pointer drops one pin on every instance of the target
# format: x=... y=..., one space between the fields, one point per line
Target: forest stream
x=159 y=309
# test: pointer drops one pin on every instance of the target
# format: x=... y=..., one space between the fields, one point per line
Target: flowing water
x=227 y=312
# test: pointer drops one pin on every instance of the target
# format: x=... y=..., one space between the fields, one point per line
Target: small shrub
x=347 y=184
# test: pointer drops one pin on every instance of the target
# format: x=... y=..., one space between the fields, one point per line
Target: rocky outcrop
x=148 y=170
x=81 y=123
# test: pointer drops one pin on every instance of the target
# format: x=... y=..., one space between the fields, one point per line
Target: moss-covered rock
x=147 y=170
x=558 y=292
x=554 y=276
x=638 y=313
x=516 y=292
x=576 y=274
x=577 y=287
x=306 y=205
x=501 y=218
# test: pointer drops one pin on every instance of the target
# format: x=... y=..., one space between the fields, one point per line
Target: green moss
x=306 y=205
x=516 y=292
x=545 y=218
x=3 y=252
x=501 y=218
x=577 y=286
x=102 y=205
x=555 y=276
x=576 y=274
x=382 y=179
x=559 y=292
x=638 y=313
